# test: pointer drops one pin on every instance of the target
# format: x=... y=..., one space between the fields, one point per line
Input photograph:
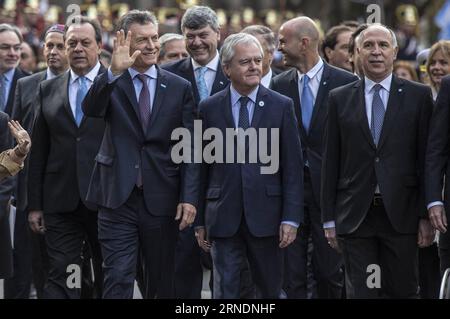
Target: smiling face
x=245 y=68
x=377 y=53
x=81 y=48
x=438 y=68
x=144 y=38
x=202 y=44
x=289 y=46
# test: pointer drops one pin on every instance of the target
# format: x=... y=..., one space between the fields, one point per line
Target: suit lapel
x=259 y=106
x=188 y=71
x=360 y=102
x=228 y=115
x=293 y=91
x=393 y=106
x=125 y=83
x=100 y=71
x=10 y=101
x=160 y=93
x=64 y=82
x=321 y=94
x=220 y=81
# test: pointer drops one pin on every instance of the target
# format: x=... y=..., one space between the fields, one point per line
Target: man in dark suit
x=10 y=46
x=11 y=161
x=373 y=173
x=249 y=214
x=201 y=29
x=266 y=38
x=299 y=41
x=137 y=186
x=66 y=143
x=437 y=171
x=30 y=249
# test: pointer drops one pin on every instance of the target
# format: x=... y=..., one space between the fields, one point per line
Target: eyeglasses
x=5 y=47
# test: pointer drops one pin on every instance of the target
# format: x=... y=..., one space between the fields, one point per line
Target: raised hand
x=121 y=59
x=21 y=135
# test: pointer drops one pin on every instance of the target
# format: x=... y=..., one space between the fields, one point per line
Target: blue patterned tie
x=307 y=103
x=244 y=121
x=201 y=83
x=376 y=123
x=2 y=92
x=81 y=93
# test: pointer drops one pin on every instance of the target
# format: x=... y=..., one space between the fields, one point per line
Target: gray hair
x=198 y=17
x=266 y=33
x=360 y=37
x=135 y=16
x=4 y=27
x=166 y=38
x=227 y=51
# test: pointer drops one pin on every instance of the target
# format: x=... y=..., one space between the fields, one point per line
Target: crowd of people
x=362 y=142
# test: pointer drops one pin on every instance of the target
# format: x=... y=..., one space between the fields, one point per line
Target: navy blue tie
x=244 y=121
x=376 y=124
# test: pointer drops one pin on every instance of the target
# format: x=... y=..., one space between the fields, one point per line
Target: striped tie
x=376 y=124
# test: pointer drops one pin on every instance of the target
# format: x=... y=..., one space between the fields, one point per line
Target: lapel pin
x=400 y=90
x=261 y=103
x=163 y=85
x=325 y=83
x=221 y=83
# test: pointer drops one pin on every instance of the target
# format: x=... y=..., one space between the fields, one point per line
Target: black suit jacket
x=126 y=149
x=353 y=165
x=287 y=84
x=185 y=69
x=62 y=155
x=438 y=150
x=6 y=187
x=18 y=74
x=231 y=188
x=24 y=111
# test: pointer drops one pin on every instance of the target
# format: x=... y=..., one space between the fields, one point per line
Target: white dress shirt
x=315 y=75
x=73 y=85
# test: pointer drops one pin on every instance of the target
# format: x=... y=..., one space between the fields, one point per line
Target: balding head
x=379 y=27
x=304 y=27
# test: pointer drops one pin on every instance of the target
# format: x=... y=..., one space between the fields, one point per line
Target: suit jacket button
x=377 y=159
x=136 y=166
x=78 y=139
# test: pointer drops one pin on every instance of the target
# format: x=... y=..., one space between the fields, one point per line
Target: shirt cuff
x=329 y=224
x=436 y=203
x=111 y=77
x=8 y=164
x=290 y=223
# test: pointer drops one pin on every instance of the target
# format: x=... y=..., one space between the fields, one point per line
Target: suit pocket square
x=104 y=159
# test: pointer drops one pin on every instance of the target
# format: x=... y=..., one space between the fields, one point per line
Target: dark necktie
x=376 y=123
x=244 y=121
x=144 y=101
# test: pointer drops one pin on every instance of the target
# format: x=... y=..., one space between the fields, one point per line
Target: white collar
x=90 y=75
x=386 y=83
x=151 y=72
x=212 y=65
x=313 y=72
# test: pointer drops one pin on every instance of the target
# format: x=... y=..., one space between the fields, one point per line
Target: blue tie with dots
x=378 y=111
x=201 y=83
